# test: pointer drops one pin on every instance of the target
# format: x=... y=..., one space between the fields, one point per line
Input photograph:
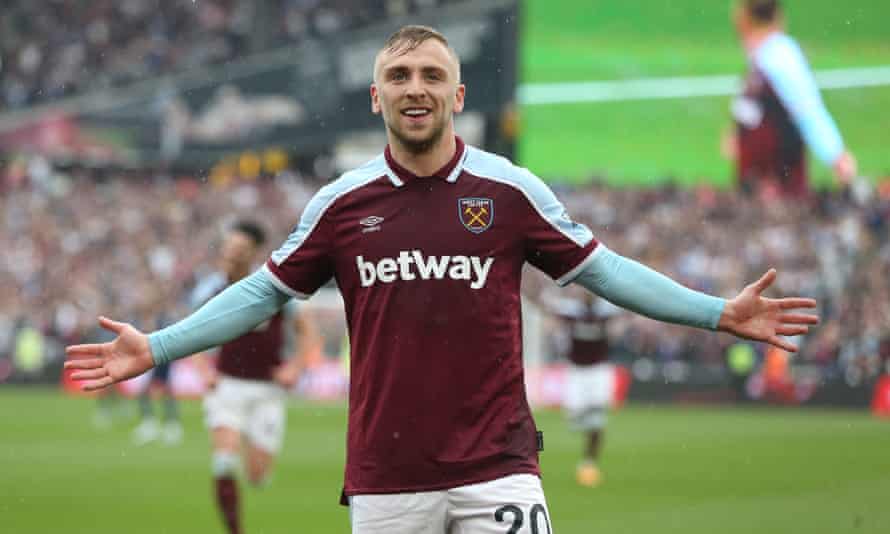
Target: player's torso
x=434 y=251
x=430 y=275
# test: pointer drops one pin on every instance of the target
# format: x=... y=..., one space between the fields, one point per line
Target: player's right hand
x=845 y=168
x=100 y=365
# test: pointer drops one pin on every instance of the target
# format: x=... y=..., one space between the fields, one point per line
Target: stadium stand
x=49 y=50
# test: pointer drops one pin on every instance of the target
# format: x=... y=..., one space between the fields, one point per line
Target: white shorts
x=512 y=504
x=254 y=408
x=589 y=391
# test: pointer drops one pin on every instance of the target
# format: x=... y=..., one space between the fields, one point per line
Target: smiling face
x=417 y=89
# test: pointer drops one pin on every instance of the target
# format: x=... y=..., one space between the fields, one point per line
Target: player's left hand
x=100 y=365
x=286 y=375
x=752 y=316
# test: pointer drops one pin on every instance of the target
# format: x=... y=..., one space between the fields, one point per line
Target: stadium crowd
x=78 y=244
x=59 y=48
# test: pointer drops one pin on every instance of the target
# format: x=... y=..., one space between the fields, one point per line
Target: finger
x=87 y=363
x=765 y=281
x=781 y=343
x=792 y=330
x=114 y=326
x=98 y=384
x=90 y=374
x=94 y=349
x=798 y=318
x=791 y=303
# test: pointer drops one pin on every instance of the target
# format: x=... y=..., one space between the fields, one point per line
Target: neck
x=756 y=36
x=428 y=162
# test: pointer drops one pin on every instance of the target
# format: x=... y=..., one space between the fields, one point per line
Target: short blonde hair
x=409 y=37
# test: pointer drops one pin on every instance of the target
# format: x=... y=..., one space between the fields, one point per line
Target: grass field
x=650 y=141
x=669 y=470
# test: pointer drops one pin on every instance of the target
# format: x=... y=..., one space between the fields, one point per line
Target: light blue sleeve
x=232 y=313
x=783 y=63
x=635 y=287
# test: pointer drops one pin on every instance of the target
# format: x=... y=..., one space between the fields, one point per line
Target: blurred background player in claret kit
x=590 y=378
x=249 y=378
x=779 y=111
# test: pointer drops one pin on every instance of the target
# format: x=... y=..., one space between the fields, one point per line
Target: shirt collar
x=450 y=172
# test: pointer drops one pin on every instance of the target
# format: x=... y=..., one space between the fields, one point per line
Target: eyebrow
x=402 y=68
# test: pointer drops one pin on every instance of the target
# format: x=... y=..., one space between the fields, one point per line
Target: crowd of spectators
x=56 y=48
x=77 y=244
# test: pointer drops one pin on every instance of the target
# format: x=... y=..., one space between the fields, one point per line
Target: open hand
x=751 y=316
x=100 y=365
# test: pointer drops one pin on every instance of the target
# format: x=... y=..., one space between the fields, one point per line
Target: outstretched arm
x=640 y=289
x=234 y=312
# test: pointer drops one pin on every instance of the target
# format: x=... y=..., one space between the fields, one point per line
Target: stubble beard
x=418 y=146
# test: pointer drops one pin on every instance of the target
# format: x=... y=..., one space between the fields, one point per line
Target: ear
x=459 y=98
x=375 y=100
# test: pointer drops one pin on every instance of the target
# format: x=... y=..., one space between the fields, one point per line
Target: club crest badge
x=476 y=214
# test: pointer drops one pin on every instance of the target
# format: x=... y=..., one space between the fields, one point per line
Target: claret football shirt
x=429 y=268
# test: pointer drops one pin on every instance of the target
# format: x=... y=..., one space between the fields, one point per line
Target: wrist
x=727 y=316
x=156 y=349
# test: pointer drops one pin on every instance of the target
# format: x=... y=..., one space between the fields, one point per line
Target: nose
x=415 y=87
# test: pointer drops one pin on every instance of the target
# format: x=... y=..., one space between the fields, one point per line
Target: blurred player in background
x=150 y=429
x=427 y=243
x=780 y=110
x=111 y=406
x=590 y=379
x=159 y=386
x=245 y=406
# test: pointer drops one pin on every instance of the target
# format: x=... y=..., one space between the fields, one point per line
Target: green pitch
x=643 y=142
x=668 y=469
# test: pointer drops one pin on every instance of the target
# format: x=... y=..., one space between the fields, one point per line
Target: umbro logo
x=373 y=220
x=371 y=224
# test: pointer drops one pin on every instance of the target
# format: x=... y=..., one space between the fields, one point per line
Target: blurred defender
x=248 y=385
x=779 y=110
x=427 y=243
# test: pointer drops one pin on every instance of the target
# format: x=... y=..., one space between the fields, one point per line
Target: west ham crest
x=476 y=214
